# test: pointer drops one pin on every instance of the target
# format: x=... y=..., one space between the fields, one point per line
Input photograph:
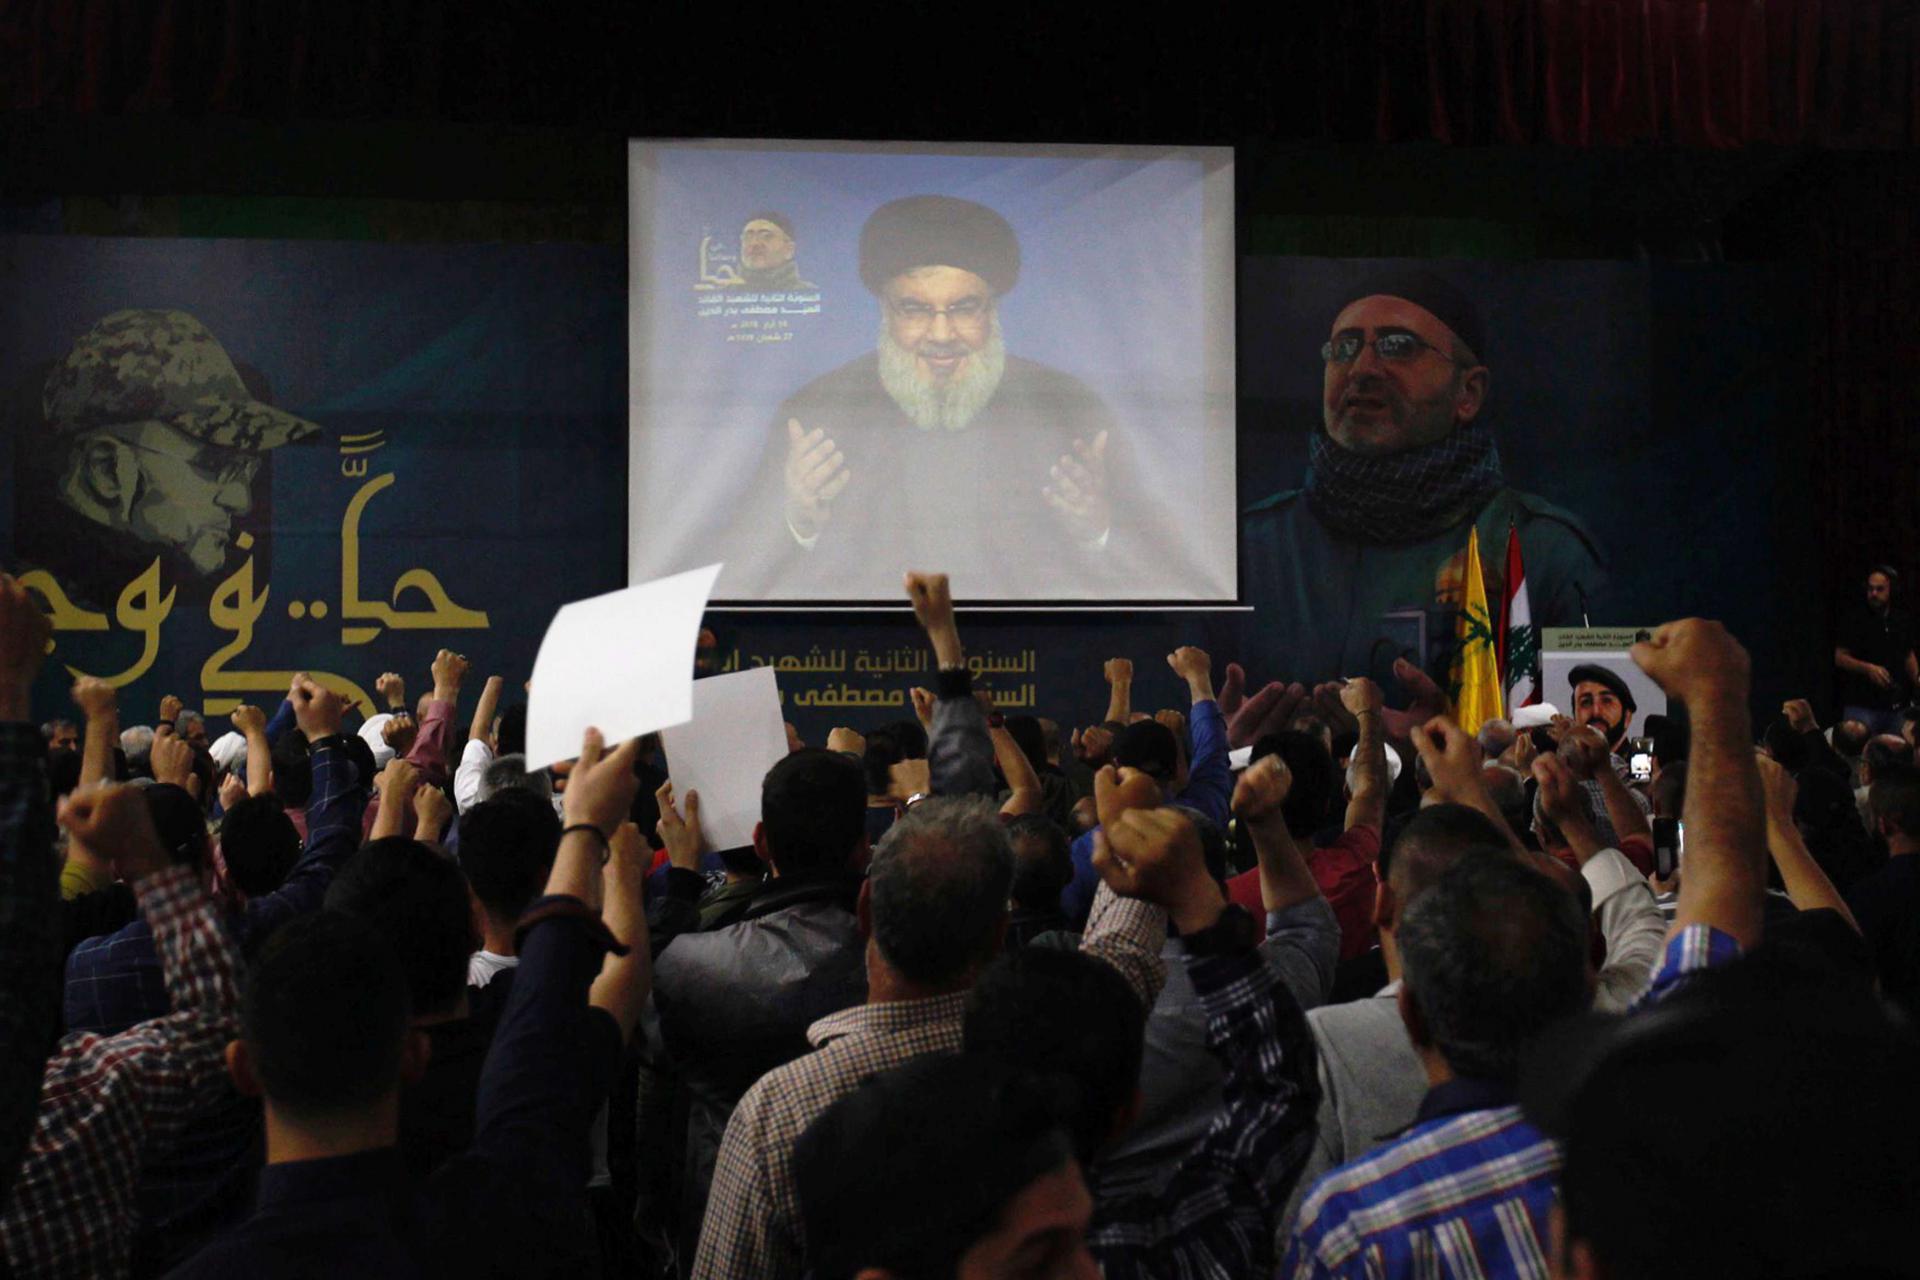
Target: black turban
x=779 y=220
x=1424 y=289
x=938 y=231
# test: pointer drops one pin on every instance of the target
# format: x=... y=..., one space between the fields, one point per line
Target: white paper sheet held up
x=735 y=736
x=622 y=662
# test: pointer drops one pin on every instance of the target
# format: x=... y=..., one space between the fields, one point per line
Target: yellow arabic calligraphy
x=444 y=612
x=236 y=608
x=140 y=608
x=846 y=695
x=61 y=611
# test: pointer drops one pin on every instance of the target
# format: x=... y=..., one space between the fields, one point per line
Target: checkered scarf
x=1385 y=499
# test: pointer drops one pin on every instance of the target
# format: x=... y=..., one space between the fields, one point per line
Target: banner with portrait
x=234 y=460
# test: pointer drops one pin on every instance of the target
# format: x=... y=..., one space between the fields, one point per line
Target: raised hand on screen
x=1077 y=489
x=816 y=472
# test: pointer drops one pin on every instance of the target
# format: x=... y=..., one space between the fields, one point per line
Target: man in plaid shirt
x=29 y=874
x=106 y=1100
x=985 y=1177
x=1490 y=959
x=936 y=907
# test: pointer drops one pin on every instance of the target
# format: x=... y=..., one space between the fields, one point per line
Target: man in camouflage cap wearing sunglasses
x=161 y=436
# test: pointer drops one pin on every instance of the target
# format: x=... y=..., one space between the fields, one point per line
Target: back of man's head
x=1316 y=780
x=1793 y=1078
x=1786 y=746
x=1895 y=799
x=259 y=844
x=1850 y=738
x=1027 y=735
x=1492 y=953
x=887 y=746
x=1049 y=738
x=1431 y=841
x=1042 y=862
x=1063 y=1016
x=416 y=899
x=510 y=738
x=137 y=743
x=507 y=846
x=292 y=770
x=510 y=773
x=813 y=807
x=1886 y=750
x=1509 y=792
x=1495 y=737
x=1149 y=746
x=939 y=883
x=923 y=1163
x=324 y=1017
x=180 y=823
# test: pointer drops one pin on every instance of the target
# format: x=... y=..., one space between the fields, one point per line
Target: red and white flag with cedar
x=1519 y=641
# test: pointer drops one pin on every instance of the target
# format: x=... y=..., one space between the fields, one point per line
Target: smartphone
x=1669 y=842
x=1640 y=759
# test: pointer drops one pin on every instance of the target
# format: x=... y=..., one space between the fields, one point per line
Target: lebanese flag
x=1519 y=641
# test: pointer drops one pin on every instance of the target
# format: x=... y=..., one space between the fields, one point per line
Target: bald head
x=1885 y=751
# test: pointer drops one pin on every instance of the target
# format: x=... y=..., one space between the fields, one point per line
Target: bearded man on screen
x=940 y=442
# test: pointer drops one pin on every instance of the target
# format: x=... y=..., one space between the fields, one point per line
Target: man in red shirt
x=1344 y=867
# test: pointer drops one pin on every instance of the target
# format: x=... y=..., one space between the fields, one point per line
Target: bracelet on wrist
x=606 y=845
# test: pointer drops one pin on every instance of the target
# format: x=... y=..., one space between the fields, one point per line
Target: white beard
x=945 y=406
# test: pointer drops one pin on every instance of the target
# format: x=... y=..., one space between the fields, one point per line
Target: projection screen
x=1011 y=363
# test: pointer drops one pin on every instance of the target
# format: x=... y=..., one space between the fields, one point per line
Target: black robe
x=965 y=502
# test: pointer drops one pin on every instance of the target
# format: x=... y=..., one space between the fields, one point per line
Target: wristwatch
x=1234 y=931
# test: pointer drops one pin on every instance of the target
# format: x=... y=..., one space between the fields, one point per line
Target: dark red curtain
x=1691 y=73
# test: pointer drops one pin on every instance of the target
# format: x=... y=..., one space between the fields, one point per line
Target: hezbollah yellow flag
x=1476 y=669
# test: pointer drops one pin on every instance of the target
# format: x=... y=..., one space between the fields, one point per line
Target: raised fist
x=448 y=670
x=932 y=599
x=1262 y=789
x=1361 y=695
x=1693 y=658
x=1189 y=662
x=94 y=696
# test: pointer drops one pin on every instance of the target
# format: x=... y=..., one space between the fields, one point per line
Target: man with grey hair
x=192 y=728
x=511 y=772
x=935 y=908
x=137 y=744
x=907 y=436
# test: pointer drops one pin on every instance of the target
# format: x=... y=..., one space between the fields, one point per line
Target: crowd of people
x=987 y=995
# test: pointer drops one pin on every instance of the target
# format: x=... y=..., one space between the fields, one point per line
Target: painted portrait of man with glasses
x=150 y=443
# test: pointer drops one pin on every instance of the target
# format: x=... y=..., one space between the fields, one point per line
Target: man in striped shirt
x=1491 y=957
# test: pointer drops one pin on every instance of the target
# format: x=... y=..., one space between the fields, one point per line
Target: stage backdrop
x=378 y=451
